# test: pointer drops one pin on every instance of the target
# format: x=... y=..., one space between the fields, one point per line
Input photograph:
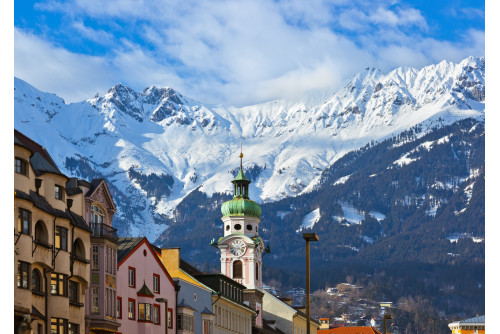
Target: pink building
x=144 y=290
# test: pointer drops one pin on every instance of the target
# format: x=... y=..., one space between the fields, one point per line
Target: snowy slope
x=158 y=131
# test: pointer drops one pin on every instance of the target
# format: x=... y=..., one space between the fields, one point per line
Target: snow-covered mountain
x=156 y=146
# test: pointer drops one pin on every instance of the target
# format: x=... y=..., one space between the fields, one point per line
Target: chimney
x=171 y=258
x=69 y=202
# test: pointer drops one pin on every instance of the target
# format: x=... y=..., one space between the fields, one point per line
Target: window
x=24 y=222
x=41 y=233
x=36 y=281
x=237 y=227
x=156 y=283
x=131 y=308
x=73 y=328
x=185 y=322
x=23 y=269
x=119 y=307
x=58 y=326
x=249 y=227
x=156 y=314
x=256 y=271
x=74 y=291
x=207 y=327
x=58 y=192
x=39 y=329
x=114 y=262
x=58 y=284
x=169 y=321
x=144 y=312
x=237 y=269
x=110 y=298
x=20 y=166
x=131 y=277
x=96 y=215
x=61 y=238
x=227 y=227
x=95 y=257
x=95 y=300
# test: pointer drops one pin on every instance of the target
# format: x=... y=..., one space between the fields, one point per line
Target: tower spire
x=241 y=155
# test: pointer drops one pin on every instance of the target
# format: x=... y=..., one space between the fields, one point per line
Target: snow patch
x=342 y=180
x=309 y=220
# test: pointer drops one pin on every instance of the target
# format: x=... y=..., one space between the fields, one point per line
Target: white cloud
x=233 y=52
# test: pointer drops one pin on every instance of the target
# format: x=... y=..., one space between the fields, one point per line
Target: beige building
x=51 y=245
x=288 y=319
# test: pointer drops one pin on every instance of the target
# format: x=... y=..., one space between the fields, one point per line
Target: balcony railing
x=100 y=230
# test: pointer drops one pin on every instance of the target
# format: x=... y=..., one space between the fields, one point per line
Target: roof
x=41 y=203
x=350 y=330
x=182 y=303
x=126 y=245
x=266 y=328
x=480 y=320
x=40 y=160
x=144 y=291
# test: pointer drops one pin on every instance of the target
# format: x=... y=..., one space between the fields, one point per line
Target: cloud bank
x=235 y=53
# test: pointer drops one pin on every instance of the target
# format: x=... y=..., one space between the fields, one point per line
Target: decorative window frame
x=156 y=289
x=131 y=270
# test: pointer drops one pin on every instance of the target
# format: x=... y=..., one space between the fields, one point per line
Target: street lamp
x=308 y=237
x=386 y=316
x=165 y=301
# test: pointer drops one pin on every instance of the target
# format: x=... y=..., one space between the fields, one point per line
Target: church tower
x=241 y=247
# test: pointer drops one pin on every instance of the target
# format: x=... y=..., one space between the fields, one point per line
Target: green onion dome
x=241 y=207
x=241 y=204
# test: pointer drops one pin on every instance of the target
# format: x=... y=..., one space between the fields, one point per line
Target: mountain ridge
x=159 y=131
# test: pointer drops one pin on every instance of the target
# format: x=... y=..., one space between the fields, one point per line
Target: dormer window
x=58 y=192
x=20 y=166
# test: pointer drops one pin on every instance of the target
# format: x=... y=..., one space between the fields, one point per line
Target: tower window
x=256 y=271
x=237 y=227
x=20 y=166
x=227 y=227
x=237 y=269
x=249 y=227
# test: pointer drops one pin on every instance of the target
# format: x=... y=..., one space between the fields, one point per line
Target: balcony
x=100 y=230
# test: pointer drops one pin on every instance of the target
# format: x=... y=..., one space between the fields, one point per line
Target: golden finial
x=241 y=154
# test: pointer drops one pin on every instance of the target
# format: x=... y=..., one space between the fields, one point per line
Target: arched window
x=41 y=233
x=36 y=281
x=237 y=269
x=96 y=215
x=79 y=249
x=256 y=271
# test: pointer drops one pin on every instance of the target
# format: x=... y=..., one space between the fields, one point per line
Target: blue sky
x=233 y=52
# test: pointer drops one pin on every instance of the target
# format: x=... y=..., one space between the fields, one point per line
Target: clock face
x=237 y=247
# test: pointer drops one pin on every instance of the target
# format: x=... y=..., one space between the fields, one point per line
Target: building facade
x=194 y=299
x=146 y=294
x=51 y=245
x=101 y=294
x=232 y=315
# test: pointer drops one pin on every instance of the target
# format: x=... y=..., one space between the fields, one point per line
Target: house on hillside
x=146 y=294
x=51 y=244
x=472 y=325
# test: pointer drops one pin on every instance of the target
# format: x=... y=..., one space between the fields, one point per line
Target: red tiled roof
x=349 y=330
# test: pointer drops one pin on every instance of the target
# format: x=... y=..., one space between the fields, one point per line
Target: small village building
x=474 y=325
x=146 y=294
x=194 y=299
x=51 y=244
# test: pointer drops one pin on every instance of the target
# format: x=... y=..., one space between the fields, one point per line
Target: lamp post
x=386 y=316
x=165 y=301
x=308 y=237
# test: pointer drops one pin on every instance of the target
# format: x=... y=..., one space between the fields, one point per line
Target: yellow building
x=469 y=326
x=51 y=245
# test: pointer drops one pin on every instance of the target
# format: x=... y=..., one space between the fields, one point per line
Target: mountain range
x=157 y=147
